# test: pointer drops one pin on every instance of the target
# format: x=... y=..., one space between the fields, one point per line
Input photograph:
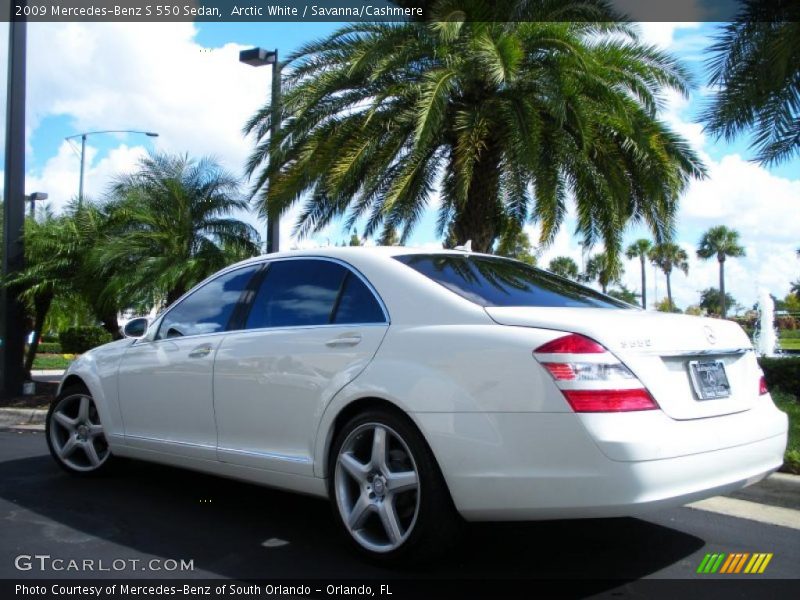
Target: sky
x=184 y=81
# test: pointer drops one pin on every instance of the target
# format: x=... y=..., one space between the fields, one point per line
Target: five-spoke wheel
x=75 y=434
x=387 y=491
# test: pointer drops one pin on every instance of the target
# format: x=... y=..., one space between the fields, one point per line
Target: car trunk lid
x=660 y=349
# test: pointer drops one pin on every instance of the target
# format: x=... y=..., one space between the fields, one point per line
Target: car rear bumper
x=519 y=466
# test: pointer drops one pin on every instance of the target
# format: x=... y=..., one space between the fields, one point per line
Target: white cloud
x=60 y=175
x=662 y=34
x=152 y=77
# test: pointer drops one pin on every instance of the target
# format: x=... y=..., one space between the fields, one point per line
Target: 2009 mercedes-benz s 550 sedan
x=411 y=387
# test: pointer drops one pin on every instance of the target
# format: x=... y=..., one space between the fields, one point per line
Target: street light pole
x=83 y=161
x=33 y=198
x=12 y=334
x=83 y=137
x=258 y=57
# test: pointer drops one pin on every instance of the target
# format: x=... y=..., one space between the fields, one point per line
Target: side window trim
x=197 y=288
x=351 y=270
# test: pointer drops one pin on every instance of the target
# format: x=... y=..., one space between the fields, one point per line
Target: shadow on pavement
x=146 y=509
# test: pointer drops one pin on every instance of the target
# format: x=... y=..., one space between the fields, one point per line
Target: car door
x=313 y=325
x=165 y=383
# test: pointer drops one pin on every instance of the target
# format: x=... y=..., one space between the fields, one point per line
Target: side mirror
x=136 y=328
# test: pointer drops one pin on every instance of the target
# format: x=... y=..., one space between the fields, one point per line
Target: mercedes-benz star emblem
x=712 y=339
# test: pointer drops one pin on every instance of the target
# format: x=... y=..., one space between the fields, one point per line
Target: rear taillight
x=571 y=344
x=590 y=377
x=762 y=386
x=609 y=400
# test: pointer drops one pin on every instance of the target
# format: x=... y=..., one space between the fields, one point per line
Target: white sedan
x=411 y=387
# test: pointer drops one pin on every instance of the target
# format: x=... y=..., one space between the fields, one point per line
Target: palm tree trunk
x=176 y=293
x=669 y=292
x=111 y=325
x=41 y=305
x=480 y=218
x=722 y=307
x=644 y=284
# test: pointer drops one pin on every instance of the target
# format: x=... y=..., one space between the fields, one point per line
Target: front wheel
x=75 y=434
x=389 y=497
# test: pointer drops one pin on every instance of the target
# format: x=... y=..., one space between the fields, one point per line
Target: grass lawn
x=790 y=405
x=789 y=344
x=52 y=361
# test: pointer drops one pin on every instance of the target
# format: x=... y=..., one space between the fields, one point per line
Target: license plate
x=709 y=379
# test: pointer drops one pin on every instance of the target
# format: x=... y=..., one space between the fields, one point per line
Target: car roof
x=356 y=253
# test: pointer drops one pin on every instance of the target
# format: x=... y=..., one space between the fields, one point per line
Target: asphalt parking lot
x=236 y=530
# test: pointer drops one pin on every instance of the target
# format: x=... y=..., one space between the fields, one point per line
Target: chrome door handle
x=350 y=340
x=200 y=351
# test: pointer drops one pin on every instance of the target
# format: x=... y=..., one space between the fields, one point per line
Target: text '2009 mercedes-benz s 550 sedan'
x=414 y=388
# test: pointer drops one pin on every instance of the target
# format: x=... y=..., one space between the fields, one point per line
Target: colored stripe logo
x=736 y=562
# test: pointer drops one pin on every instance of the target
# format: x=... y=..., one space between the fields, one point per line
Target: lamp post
x=258 y=57
x=12 y=316
x=35 y=197
x=83 y=137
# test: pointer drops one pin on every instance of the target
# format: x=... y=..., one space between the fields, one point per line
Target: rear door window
x=296 y=293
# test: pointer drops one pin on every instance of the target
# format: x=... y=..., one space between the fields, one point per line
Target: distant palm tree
x=564 y=266
x=603 y=268
x=756 y=69
x=516 y=243
x=174 y=227
x=641 y=248
x=669 y=256
x=720 y=242
x=504 y=118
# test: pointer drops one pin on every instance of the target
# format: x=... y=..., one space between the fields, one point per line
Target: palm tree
x=173 y=228
x=504 y=118
x=756 y=68
x=565 y=267
x=720 y=242
x=641 y=248
x=516 y=243
x=603 y=268
x=669 y=256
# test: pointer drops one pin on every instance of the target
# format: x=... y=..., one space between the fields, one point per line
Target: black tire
x=436 y=524
x=79 y=465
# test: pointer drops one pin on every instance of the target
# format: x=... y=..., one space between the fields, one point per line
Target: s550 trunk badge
x=644 y=343
x=712 y=339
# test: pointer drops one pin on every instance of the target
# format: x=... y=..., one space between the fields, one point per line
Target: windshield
x=494 y=281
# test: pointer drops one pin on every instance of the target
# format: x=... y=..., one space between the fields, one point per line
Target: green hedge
x=782 y=373
x=49 y=348
x=77 y=340
x=790 y=334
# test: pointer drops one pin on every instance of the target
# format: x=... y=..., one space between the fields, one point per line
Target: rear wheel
x=389 y=497
x=75 y=434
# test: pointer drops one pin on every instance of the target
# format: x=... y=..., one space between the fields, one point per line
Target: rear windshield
x=491 y=281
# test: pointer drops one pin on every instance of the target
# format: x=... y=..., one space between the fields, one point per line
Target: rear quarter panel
x=451 y=369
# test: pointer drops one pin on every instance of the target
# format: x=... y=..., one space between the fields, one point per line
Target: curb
x=23 y=418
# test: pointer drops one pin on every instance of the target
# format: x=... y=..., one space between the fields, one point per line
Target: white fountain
x=765 y=338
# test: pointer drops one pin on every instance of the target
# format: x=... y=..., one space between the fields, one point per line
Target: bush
x=77 y=340
x=49 y=348
x=790 y=334
x=782 y=373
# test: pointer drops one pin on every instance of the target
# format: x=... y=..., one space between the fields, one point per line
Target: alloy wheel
x=76 y=434
x=377 y=487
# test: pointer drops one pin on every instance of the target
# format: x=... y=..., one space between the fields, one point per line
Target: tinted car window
x=492 y=281
x=357 y=303
x=209 y=308
x=297 y=292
